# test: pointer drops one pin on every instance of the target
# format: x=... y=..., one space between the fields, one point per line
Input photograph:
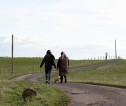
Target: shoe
x=46 y=82
x=49 y=82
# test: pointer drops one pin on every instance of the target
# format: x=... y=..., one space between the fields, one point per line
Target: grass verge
x=10 y=94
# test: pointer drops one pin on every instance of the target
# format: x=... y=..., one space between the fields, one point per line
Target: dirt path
x=85 y=94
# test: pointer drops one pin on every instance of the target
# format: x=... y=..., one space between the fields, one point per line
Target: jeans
x=48 y=74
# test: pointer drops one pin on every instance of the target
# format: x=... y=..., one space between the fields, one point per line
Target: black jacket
x=49 y=61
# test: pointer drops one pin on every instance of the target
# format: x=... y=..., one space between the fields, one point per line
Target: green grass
x=114 y=74
x=11 y=91
x=83 y=63
x=31 y=65
x=21 y=66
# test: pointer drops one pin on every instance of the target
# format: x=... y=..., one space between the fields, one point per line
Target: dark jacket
x=49 y=61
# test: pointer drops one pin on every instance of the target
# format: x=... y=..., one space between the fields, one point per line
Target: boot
x=61 y=79
x=65 y=80
x=65 y=77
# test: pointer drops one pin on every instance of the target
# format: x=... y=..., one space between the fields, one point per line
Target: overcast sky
x=81 y=28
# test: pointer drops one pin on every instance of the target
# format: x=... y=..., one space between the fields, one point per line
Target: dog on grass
x=57 y=80
x=28 y=93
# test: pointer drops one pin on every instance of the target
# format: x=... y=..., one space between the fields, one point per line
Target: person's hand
x=40 y=66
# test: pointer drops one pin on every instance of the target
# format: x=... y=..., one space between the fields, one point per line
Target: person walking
x=62 y=66
x=49 y=61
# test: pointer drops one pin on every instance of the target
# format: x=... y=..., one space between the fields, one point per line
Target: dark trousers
x=61 y=78
x=48 y=74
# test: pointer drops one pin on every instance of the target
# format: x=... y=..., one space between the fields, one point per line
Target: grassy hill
x=114 y=74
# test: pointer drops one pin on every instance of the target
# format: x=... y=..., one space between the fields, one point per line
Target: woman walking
x=62 y=66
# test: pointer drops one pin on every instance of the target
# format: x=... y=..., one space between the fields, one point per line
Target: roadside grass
x=114 y=74
x=11 y=91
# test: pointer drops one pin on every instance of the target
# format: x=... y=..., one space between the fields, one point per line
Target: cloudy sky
x=81 y=28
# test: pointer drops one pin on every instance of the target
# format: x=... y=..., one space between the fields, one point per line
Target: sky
x=81 y=28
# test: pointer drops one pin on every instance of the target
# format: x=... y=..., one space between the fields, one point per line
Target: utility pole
x=115 y=50
x=12 y=61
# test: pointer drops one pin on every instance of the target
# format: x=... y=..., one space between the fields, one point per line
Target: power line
x=1 y=37
x=31 y=42
x=40 y=44
x=28 y=41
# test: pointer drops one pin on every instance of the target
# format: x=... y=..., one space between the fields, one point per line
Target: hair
x=63 y=55
x=48 y=52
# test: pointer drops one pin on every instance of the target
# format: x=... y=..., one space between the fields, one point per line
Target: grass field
x=31 y=65
x=114 y=74
x=11 y=91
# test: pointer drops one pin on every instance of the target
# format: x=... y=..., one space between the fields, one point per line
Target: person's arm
x=68 y=63
x=53 y=61
x=58 y=64
x=54 y=64
x=43 y=61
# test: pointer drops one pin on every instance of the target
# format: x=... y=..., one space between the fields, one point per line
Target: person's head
x=48 y=52
x=63 y=55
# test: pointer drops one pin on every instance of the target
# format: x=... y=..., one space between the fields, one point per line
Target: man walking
x=49 y=61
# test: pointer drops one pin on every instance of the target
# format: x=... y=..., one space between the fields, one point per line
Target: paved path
x=93 y=95
x=85 y=94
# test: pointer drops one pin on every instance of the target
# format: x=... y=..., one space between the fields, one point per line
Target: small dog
x=57 y=80
x=28 y=93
